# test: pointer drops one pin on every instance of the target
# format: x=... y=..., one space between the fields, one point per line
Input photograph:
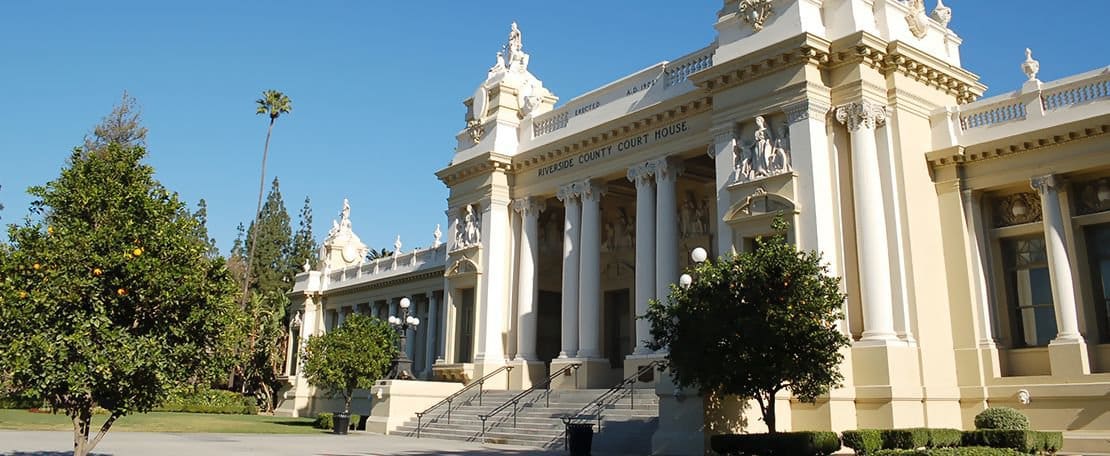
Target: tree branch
x=104 y=429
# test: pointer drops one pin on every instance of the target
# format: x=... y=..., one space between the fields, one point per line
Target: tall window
x=464 y=342
x=1098 y=254
x=1029 y=291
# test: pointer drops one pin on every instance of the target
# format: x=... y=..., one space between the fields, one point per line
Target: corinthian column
x=1059 y=268
x=666 y=224
x=569 y=194
x=527 y=293
x=641 y=175
x=589 y=291
x=862 y=118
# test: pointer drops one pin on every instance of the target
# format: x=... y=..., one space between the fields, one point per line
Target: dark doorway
x=464 y=341
x=618 y=327
x=548 y=325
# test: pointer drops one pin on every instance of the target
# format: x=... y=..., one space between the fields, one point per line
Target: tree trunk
x=82 y=421
x=767 y=408
x=347 y=401
x=257 y=213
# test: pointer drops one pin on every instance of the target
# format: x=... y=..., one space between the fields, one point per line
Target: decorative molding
x=1093 y=196
x=917 y=20
x=529 y=206
x=892 y=57
x=942 y=14
x=804 y=109
x=767 y=155
x=1030 y=67
x=475 y=129
x=756 y=12
x=641 y=174
x=592 y=189
x=958 y=154
x=667 y=168
x=861 y=114
x=568 y=193
x=478 y=166
x=1042 y=184
x=1017 y=209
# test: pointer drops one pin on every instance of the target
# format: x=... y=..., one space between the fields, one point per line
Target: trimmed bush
x=960 y=451
x=906 y=439
x=1001 y=418
x=324 y=421
x=807 y=443
x=355 y=419
x=1053 y=441
x=864 y=441
x=945 y=438
x=210 y=401
x=1024 y=441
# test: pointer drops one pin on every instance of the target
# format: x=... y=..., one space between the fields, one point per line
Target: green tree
x=272 y=236
x=123 y=126
x=265 y=356
x=303 y=249
x=754 y=324
x=202 y=216
x=107 y=296
x=273 y=104
x=354 y=355
x=377 y=254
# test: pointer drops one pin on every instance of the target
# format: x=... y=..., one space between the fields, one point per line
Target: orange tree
x=108 y=297
x=354 y=355
x=754 y=324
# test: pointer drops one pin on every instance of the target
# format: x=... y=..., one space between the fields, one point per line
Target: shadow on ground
x=48 y=453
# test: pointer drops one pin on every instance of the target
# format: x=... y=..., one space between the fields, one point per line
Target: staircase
x=628 y=421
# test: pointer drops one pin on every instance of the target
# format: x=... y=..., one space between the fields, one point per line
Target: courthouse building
x=972 y=235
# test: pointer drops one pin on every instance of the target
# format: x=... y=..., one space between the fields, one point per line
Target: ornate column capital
x=802 y=110
x=861 y=114
x=568 y=192
x=592 y=189
x=641 y=174
x=1045 y=183
x=667 y=168
x=529 y=206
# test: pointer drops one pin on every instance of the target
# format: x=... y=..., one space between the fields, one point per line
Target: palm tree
x=273 y=103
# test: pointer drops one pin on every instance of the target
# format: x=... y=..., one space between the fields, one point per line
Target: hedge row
x=871 y=441
x=210 y=401
x=778 y=444
x=1024 y=441
x=959 y=451
x=327 y=421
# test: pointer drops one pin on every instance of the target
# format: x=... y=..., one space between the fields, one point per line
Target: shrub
x=1024 y=441
x=1053 y=441
x=806 y=443
x=355 y=419
x=864 y=441
x=1001 y=418
x=905 y=438
x=943 y=438
x=18 y=402
x=960 y=451
x=324 y=421
x=210 y=401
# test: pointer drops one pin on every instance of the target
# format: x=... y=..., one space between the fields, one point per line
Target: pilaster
x=569 y=194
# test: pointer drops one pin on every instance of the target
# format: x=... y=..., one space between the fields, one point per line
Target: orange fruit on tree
x=97 y=272
x=36 y=266
x=121 y=292
x=22 y=294
x=138 y=251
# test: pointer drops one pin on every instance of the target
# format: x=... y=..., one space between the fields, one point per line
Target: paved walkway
x=50 y=443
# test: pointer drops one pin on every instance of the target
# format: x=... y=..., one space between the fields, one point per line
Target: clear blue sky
x=377 y=92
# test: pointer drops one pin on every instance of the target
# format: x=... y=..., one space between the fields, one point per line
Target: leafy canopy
x=354 y=355
x=273 y=103
x=108 y=296
x=755 y=324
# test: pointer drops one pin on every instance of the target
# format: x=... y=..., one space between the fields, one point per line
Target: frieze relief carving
x=1093 y=196
x=467 y=229
x=767 y=155
x=917 y=20
x=1017 y=209
x=756 y=12
x=475 y=129
x=693 y=216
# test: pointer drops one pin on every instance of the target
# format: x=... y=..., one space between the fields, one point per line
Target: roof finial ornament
x=942 y=14
x=397 y=245
x=1030 y=67
x=517 y=59
x=437 y=234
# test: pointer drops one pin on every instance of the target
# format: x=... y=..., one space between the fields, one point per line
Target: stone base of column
x=681 y=421
x=887 y=380
x=393 y=402
x=633 y=363
x=526 y=374
x=1068 y=359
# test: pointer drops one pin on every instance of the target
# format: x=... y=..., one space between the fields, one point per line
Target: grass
x=163 y=422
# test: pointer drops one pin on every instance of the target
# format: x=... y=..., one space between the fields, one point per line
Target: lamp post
x=401 y=365
x=699 y=255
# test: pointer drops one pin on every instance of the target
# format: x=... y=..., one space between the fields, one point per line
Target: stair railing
x=611 y=396
x=449 y=400
x=515 y=400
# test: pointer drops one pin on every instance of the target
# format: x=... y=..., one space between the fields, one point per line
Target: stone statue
x=762 y=150
x=702 y=215
x=609 y=240
x=766 y=156
x=498 y=66
x=397 y=246
x=688 y=215
x=517 y=59
x=629 y=227
x=437 y=234
x=467 y=229
x=345 y=216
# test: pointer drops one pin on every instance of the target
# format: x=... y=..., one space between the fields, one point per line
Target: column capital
x=667 y=168
x=592 y=189
x=529 y=206
x=1045 y=183
x=568 y=192
x=641 y=174
x=861 y=114
x=804 y=109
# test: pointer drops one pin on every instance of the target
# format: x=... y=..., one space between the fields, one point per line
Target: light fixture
x=1018 y=208
x=402 y=365
x=699 y=255
x=405 y=303
x=1104 y=191
x=685 y=280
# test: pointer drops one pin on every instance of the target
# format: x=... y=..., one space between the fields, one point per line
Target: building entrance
x=618 y=327
x=549 y=326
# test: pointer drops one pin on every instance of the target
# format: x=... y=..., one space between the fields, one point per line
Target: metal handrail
x=600 y=402
x=449 y=399
x=515 y=400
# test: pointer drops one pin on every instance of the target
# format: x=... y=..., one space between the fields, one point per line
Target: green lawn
x=164 y=422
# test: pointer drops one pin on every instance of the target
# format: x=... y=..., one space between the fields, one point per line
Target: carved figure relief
x=629 y=228
x=1017 y=209
x=467 y=229
x=1094 y=196
x=756 y=12
x=917 y=20
x=765 y=156
x=475 y=129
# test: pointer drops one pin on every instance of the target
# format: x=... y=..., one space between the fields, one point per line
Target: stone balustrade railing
x=387 y=267
x=992 y=117
x=679 y=70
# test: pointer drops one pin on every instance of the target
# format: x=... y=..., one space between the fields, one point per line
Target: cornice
x=862 y=48
x=803 y=49
x=480 y=165
x=1009 y=146
x=610 y=134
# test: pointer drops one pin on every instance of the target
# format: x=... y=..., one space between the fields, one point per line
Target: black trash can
x=340 y=423
x=580 y=438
